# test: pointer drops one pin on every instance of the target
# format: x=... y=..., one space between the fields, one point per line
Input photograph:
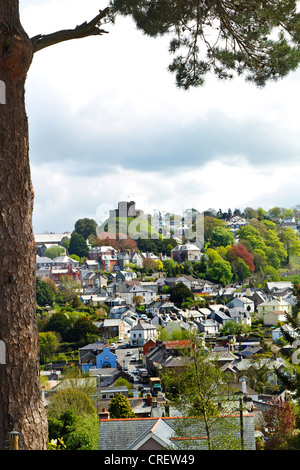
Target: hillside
x=133 y=227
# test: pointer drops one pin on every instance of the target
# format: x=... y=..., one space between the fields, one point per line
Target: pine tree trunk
x=20 y=391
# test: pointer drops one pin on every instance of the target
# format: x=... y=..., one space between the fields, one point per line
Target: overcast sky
x=107 y=123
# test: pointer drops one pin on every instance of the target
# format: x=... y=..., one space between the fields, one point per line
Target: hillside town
x=141 y=302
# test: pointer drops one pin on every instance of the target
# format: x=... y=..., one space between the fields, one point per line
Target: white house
x=242 y=302
x=186 y=252
x=148 y=295
x=141 y=333
x=208 y=326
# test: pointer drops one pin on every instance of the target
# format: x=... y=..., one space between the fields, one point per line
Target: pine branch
x=82 y=31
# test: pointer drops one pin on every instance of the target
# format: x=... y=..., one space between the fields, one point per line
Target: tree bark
x=20 y=391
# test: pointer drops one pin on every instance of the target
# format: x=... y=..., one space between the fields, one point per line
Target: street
x=125 y=360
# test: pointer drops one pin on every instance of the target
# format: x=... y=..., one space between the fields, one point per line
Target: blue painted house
x=106 y=359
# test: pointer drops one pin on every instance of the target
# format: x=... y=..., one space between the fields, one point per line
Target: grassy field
x=135 y=228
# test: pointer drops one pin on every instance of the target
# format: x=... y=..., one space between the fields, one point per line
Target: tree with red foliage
x=121 y=243
x=240 y=251
x=280 y=420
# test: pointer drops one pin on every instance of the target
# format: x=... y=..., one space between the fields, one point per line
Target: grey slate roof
x=119 y=434
x=125 y=434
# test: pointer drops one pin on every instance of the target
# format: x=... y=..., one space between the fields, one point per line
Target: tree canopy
x=86 y=227
x=120 y=407
x=78 y=245
x=259 y=40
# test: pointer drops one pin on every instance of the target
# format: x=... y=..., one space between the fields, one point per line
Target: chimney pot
x=104 y=414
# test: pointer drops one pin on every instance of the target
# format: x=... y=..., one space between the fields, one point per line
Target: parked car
x=133 y=359
x=129 y=353
x=136 y=371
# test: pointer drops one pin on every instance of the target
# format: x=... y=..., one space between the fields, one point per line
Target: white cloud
x=61 y=199
x=107 y=123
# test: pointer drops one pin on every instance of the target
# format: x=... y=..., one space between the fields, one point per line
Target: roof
x=276 y=312
x=93 y=346
x=51 y=237
x=65 y=259
x=186 y=247
x=279 y=285
x=125 y=434
x=273 y=302
x=143 y=326
x=44 y=259
x=111 y=322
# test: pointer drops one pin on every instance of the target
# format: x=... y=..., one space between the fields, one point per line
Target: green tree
x=44 y=294
x=159 y=265
x=70 y=399
x=274 y=212
x=272 y=273
x=54 y=251
x=169 y=267
x=119 y=407
x=250 y=213
x=180 y=294
x=59 y=323
x=221 y=237
x=234 y=49
x=173 y=334
x=48 y=345
x=240 y=269
x=261 y=213
x=62 y=426
x=78 y=245
x=85 y=434
x=253 y=236
x=210 y=223
x=220 y=272
x=273 y=242
x=291 y=242
x=78 y=431
x=81 y=329
x=86 y=227
x=68 y=288
x=288 y=213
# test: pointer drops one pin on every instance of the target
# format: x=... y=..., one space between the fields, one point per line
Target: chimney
x=244 y=387
x=149 y=399
x=104 y=414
